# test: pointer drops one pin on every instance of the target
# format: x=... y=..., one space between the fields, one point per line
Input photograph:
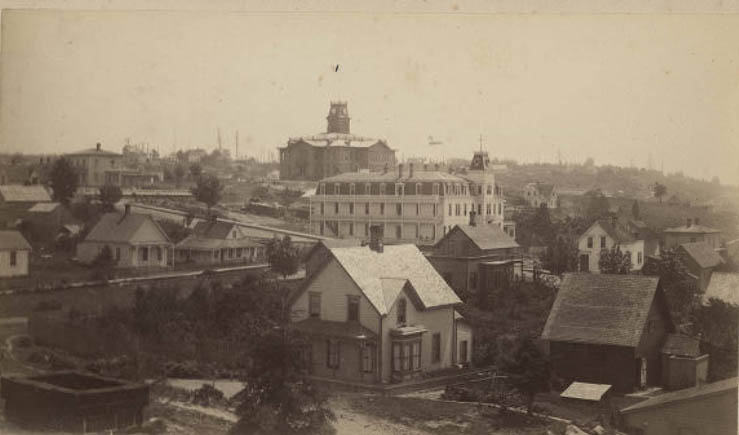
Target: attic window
x=401 y=309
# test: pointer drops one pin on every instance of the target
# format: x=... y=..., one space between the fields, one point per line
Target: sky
x=616 y=88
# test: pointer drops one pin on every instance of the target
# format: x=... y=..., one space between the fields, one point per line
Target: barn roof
x=13 y=241
x=488 y=236
x=601 y=309
x=120 y=227
x=17 y=193
x=703 y=254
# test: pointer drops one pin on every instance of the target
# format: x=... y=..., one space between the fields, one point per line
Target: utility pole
x=218 y=137
x=237 y=145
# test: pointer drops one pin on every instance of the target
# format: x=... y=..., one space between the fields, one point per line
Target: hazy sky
x=612 y=87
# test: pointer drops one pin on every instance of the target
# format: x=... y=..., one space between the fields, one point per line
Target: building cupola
x=480 y=161
x=338 y=118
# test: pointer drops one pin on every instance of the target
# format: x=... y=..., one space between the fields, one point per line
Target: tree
x=208 y=190
x=277 y=398
x=596 y=204
x=196 y=171
x=679 y=287
x=103 y=263
x=615 y=262
x=635 y=210
x=283 y=256
x=63 y=181
x=659 y=190
x=561 y=255
x=528 y=371
x=179 y=173
x=109 y=195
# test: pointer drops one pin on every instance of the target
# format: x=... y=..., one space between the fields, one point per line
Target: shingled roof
x=703 y=254
x=16 y=193
x=380 y=275
x=213 y=230
x=488 y=236
x=723 y=286
x=601 y=309
x=119 y=227
x=13 y=241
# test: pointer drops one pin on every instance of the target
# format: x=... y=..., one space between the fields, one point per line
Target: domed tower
x=486 y=194
x=338 y=118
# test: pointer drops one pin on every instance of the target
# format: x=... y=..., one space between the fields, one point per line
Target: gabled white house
x=14 y=252
x=606 y=233
x=379 y=314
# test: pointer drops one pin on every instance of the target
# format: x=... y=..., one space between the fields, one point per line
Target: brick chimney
x=410 y=170
x=97 y=146
x=689 y=223
x=376 y=238
x=473 y=221
x=400 y=170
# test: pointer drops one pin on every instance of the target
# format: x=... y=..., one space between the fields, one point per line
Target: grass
x=446 y=418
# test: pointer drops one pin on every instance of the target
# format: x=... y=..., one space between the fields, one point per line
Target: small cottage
x=14 y=254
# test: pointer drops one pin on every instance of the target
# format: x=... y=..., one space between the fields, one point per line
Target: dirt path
x=351 y=422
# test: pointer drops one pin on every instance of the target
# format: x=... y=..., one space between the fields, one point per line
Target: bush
x=23 y=342
x=207 y=395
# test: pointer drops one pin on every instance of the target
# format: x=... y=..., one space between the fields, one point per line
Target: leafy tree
x=717 y=322
x=596 y=204
x=614 y=261
x=277 y=397
x=283 y=256
x=103 y=263
x=63 y=180
x=196 y=171
x=680 y=289
x=208 y=189
x=561 y=255
x=528 y=371
x=109 y=195
x=659 y=190
x=179 y=173
x=635 y=210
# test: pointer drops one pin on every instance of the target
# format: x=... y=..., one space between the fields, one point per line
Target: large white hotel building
x=414 y=205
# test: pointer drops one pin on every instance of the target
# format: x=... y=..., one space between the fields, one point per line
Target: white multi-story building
x=413 y=205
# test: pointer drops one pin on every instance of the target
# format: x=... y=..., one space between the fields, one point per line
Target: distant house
x=723 y=286
x=15 y=200
x=92 y=164
x=135 y=240
x=14 y=253
x=476 y=258
x=216 y=241
x=683 y=364
x=608 y=329
x=606 y=233
x=378 y=314
x=19 y=174
x=692 y=231
x=48 y=219
x=704 y=410
x=538 y=193
x=701 y=260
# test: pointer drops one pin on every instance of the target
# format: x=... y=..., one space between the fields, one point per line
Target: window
x=590 y=242
x=382 y=188
x=418 y=209
x=479 y=209
x=398 y=232
x=337 y=188
x=351 y=208
x=314 y=304
x=367 y=188
x=239 y=251
x=463 y=351
x=366 y=208
x=415 y=362
x=322 y=189
x=336 y=208
x=603 y=242
x=368 y=358
x=465 y=209
x=159 y=253
x=215 y=254
x=436 y=347
x=434 y=210
x=145 y=253
x=487 y=209
x=351 y=228
x=418 y=189
x=639 y=257
x=322 y=209
x=473 y=280
x=399 y=189
x=401 y=312
x=321 y=228
x=366 y=229
x=332 y=354
x=450 y=209
x=382 y=208
x=353 y=309
x=13 y=258
x=352 y=189
x=399 y=209
x=436 y=189
x=118 y=254
x=457 y=209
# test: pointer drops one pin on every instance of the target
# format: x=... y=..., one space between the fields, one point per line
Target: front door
x=463 y=351
x=584 y=263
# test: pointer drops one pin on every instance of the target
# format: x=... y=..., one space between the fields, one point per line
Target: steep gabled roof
x=616 y=231
x=601 y=309
x=17 y=193
x=687 y=394
x=723 y=286
x=487 y=236
x=681 y=345
x=703 y=254
x=380 y=275
x=213 y=230
x=13 y=241
x=120 y=227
